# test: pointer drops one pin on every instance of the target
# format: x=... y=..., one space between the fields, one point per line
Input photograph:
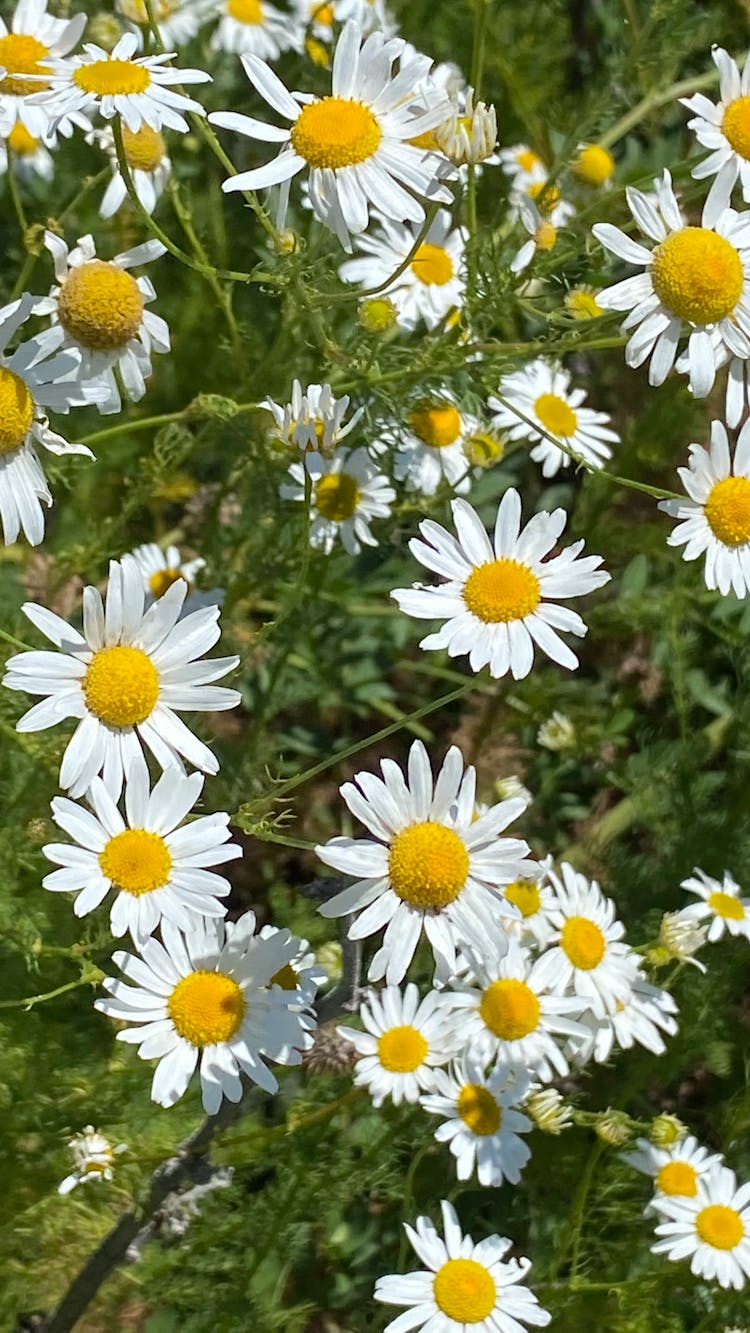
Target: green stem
x=29 y=1001
x=17 y=643
x=149 y=423
x=324 y=298
x=579 y=1208
x=222 y=295
x=652 y=101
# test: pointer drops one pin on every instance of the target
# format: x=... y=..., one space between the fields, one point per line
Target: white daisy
x=693 y=276
x=98 y=307
x=557 y=732
x=93 y=1159
x=355 y=142
x=179 y=20
x=161 y=567
x=534 y=901
x=25 y=50
x=156 y=863
x=316 y=17
x=522 y=165
x=252 y=26
x=542 y=233
x=712 y=1229
x=429 y=865
x=431 y=445
x=494 y=598
x=119 y=83
x=433 y=283
x=347 y=493
x=724 y=127
x=301 y=974
x=640 y=1020
x=675 y=1171
x=371 y=15
x=468 y=135
x=404 y=1042
x=721 y=903
x=541 y=392
x=715 y=517
x=314 y=418
x=463 y=1287
x=680 y=939
x=27 y=156
x=123 y=677
x=481 y=1122
x=587 y=956
x=545 y=197
x=202 y=999
x=149 y=165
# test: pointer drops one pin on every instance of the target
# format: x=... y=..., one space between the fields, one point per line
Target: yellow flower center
x=720 y=1226
x=727 y=510
x=510 y=1009
x=524 y=894
x=724 y=904
x=108 y=78
x=502 y=590
x=401 y=1050
x=144 y=148
x=432 y=265
x=528 y=160
x=137 y=861
x=428 y=865
x=318 y=52
x=735 y=125
x=437 y=426
x=286 y=978
x=206 y=1007
x=337 y=496
x=245 y=11
x=336 y=132
x=545 y=236
x=678 y=1178
x=698 y=275
x=320 y=13
x=484 y=449
x=100 y=305
x=162 y=579
x=478 y=1108
x=427 y=140
x=583 y=942
x=464 y=1291
x=21 y=142
x=545 y=196
x=555 y=415
x=16 y=411
x=594 y=164
x=20 y=53
x=121 y=686
x=582 y=303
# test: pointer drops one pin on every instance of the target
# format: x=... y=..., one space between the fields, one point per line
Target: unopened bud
x=594 y=164
x=613 y=1127
x=557 y=733
x=666 y=1130
x=104 y=30
x=549 y=1111
x=377 y=314
x=286 y=243
x=485 y=449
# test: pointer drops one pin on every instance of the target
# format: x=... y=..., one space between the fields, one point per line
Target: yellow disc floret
x=479 y=1110
x=162 y=579
x=545 y=196
x=337 y=496
x=583 y=942
x=245 y=11
x=432 y=265
x=137 y=861
x=428 y=865
x=286 y=978
x=528 y=160
x=524 y=894
x=502 y=590
x=402 y=1049
x=100 y=305
x=735 y=125
x=21 y=142
x=720 y=1226
x=510 y=1009
x=727 y=510
x=698 y=275
x=438 y=426
x=144 y=148
x=16 y=411
x=20 y=53
x=545 y=236
x=678 y=1178
x=726 y=905
x=555 y=415
x=121 y=686
x=464 y=1291
x=594 y=164
x=206 y=1007
x=112 y=78
x=335 y=132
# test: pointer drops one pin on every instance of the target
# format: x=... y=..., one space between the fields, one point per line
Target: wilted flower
x=549 y=1111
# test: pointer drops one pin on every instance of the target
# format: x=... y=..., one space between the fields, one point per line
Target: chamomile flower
x=301 y=976
x=178 y=20
x=313 y=419
x=252 y=25
x=371 y=15
x=348 y=492
x=720 y=903
x=123 y=677
x=404 y=1042
x=317 y=17
x=542 y=235
x=22 y=153
x=355 y=143
x=161 y=567
x=431 y=285
x=587 y=956
x=594 y=165
x=430 y=445
x=676 y=1171
x=156 y=863
x=468 y=135
x=199 y=999
x=641 y=1020
x=494 y=597
x=119 y=83
x=542 y=393
x=557 y=732
x=98 y=307
x=429 y=866
x=533 y=900
x=715 y=516
x=724 y=127
x=27 y=51
x=150 y=167
x=522 y=165
x=712 y=1228
x=93 y=1159
x=463 y=1286
x=679 y=940
x=694 y=278
x=481 y=1120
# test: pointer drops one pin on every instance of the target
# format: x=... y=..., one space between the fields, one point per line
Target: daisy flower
x=430 y=445
x=155 y=862
x=462 y=1286
x=721 y=903
x=429 y=865
x=404 y=1042
x=98 y=307
x=522 y=165
x=178 y=20
x=317 y=17
x=123 y=677
x=347 y=493
x=679 y=940
x=431 y=286
x=481 y=1122
x=29 y=157
x=468 y=135
x=542 y=233
x=25 y=50
x=594 y=165
x=150 y=167
x=715 y=517
x=119 y=83
x=676 y=1171
x=163 y=567
x=301 y=974
x=694 y=277
x=533 y=900
x=640 y=1020
x=254 y=26
x=587 y=956
x=314 y=418
x=199 y=999
x=355 y=143
x=494 y=598
x=93 y=1159
x=557 y=732
x=542 y=393
x=712 y=1229
x=724 y=127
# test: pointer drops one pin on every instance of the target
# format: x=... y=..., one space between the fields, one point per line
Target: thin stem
x=149 y=423
x=652 y=101
x=29 y=1001
x=17 y=643
x=222 y=296
x=362 y=294
x=16 y=198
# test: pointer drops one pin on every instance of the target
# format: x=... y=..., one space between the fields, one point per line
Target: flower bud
x=613 y=1127
x=377 y=314
x=557 y=733
x=666 y=1130
x=549 y=1111
x=468 y=136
